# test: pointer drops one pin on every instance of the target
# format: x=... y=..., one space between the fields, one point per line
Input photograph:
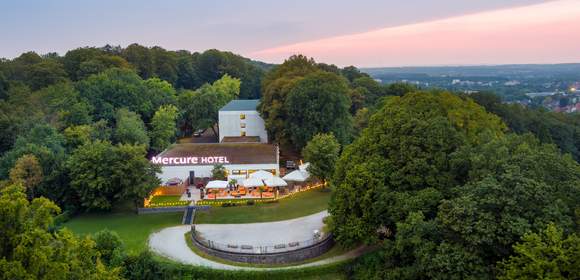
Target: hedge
x=235 y=202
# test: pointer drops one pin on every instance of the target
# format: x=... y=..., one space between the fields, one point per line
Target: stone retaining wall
x=270 y=258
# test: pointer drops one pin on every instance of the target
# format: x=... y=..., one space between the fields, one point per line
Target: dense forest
x=443 y=185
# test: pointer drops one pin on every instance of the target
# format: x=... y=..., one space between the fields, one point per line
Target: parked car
x=198 y=133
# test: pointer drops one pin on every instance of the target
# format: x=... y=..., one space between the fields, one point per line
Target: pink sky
x=541 y=33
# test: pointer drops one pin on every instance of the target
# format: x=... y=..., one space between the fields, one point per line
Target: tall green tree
x=549 y=127
x=188 y=75
x=213 y=65
x=318 y=103
x=116 y=88
x=500 y=188
x=27 y=172
x=322 y=153
x=99 y=64
x=62 y=106
x=373 y=91
x=163 y=127
x=29 y=249
x=3 y=86
x=276 y=87
x=48 y=147
x=103 y=175
x=545 y=255
x=111 y=247
x=402 y=162
x=524 y=205
x=73 y=59
x=45 y=73
x=200 y=108
x=130 y=129
x=140 y=57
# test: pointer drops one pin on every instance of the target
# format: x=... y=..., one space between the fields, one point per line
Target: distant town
x=555 y=87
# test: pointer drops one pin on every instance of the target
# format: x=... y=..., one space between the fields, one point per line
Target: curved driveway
x=170 y=242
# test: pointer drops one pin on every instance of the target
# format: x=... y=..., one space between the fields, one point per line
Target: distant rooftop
x=241 y=105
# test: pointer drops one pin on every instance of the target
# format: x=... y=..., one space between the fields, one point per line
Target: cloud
x=541 y=33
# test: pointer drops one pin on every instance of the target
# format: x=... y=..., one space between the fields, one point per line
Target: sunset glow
x=542 y=33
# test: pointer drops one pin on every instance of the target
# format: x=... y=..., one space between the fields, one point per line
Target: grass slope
x=299 y=205
x=132 y=228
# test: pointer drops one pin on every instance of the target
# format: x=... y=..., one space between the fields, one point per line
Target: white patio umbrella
x=261 y=174
x=275 y=181
x=217 y=184
x=296 y=176
x=252 y=183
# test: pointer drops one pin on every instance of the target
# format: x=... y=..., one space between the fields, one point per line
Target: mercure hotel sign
x=189 y=160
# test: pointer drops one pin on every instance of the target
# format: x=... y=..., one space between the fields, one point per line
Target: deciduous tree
x=545 y=255
x=322 y=153
x=318 y=103
x=163 y=127
x=402 y=162
x=28 y=172
x=29 y=249
x=218 y=172
x=130 y=129
x=103 y=174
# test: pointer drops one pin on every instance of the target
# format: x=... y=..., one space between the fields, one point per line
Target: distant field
x=132 y=228
x=299 y=205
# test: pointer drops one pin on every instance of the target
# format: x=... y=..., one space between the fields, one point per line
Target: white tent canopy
x=275 y=181
x=261 y=174
x=216 y=184
x=296 y=176
x=304 y=167
x=252 y=183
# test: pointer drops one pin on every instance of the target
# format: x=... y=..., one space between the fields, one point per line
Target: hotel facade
x=241 y=147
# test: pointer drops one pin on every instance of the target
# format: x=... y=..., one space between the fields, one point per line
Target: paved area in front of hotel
x=264 y=234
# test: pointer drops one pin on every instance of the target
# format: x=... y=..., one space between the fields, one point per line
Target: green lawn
x=299 y=205
x=165 y=198
x=132 y=228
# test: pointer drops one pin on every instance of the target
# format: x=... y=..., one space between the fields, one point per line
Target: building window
x=243 y=125
x=242 y=116
x=243 y=134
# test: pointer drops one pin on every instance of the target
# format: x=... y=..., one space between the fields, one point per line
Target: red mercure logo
x=188 y=160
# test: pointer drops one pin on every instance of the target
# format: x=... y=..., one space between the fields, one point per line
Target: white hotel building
x=242 y=148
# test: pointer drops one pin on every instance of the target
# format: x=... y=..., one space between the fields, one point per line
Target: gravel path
x=170 y=242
